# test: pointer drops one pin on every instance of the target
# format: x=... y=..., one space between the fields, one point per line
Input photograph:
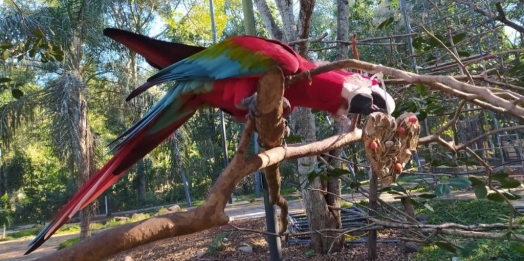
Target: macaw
x=220 y=76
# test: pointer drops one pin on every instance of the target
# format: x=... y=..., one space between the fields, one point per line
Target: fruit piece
x=401 y=130
x=398 y=166
x=373 y=145
x=413 y=119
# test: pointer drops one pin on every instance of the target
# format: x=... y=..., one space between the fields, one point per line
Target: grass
x=470 y=212
x=71 y=229
x=68 y=242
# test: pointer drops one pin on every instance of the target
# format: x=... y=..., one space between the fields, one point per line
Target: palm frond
x=16 y=113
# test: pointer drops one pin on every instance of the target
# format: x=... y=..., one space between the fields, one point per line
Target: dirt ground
x=185 y=248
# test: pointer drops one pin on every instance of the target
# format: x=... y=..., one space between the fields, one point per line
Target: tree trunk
x=269 y=22
x=342 y=29
x=319 y=215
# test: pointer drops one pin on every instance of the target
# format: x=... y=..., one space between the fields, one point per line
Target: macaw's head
x=365 y=96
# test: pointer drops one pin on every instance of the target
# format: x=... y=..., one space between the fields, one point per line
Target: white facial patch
x=353 y=85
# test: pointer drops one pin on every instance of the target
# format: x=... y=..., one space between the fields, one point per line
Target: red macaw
x=220 y=76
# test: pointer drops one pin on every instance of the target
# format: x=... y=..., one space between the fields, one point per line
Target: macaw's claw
x=250 y=104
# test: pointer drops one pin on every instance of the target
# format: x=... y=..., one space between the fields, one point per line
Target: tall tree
x=320 y=216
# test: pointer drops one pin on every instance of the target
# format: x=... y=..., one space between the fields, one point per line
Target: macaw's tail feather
x=141 y=139
x=158 y=54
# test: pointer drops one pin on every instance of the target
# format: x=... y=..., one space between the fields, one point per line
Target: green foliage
x=162 y=211
x=469 y=212
x=68 y=242
x=217 y=244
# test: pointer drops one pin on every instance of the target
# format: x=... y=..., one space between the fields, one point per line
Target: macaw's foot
x=250 y=104
x=287 y=132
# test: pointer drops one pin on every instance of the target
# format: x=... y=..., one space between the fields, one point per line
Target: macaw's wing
x=239 y=56
x=157 y=53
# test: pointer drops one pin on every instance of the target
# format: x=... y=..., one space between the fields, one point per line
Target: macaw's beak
x=376 y=101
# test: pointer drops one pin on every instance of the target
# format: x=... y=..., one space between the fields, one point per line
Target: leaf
x=446 y=246
x=385 y=189
x=417 y=43
x=510 y=196
x=354 y=184
x=421 y=89
x=499 y=176
x=6 y=54
x=421 y=115
x=412 y=201
x=519 y=247
x=17 y=93
x=463 y=54
x=3 y=80
x=386 y=23
x=481 y=191
x=429 y=207
x=310 y=253
x=38 y=32
x=315 y=111
x=495 y=197
x=312 y=176
x=6 y=45
x=293 y=138
x=442 y=190
x=509 y=183
x=476 y=182
x=458 y=37
x=399 y=189
x=427 y=196
x=467 y=248
x=460 y=182
x=432 y=42
x=337 y=172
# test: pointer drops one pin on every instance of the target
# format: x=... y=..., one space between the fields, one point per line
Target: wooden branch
x=442 y=229
x=209 y=214
x=271 y=128
x=501 y=17
x=307 y=40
